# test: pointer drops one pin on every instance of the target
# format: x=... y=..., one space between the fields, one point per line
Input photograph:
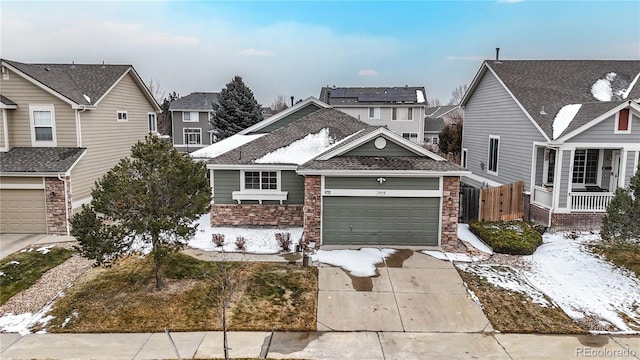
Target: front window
x=434 y=140
x=585 y=166
x=411 y=136
x=121 y=115
x=152 y=123
x=261 y=180
x=494 y=145
x=42 y=125
x=192 y=136
x=374 y=113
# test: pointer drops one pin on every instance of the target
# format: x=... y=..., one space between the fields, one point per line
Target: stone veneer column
x=450 y=204
x=57 y=208
x=311 y=209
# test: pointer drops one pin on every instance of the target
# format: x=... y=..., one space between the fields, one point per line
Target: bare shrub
x=240 y=243
x=284 y=240
x=218 y=239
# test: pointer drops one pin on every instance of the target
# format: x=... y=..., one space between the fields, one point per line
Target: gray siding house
x=436 y=118
x=400 y=109
x=190 y=127
x=342 y=180
x=569 y=129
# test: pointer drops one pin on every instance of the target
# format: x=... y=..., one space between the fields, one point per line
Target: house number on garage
x=327 y=192
x=381 y=193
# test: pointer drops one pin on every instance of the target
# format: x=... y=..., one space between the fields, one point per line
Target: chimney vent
x=497 y=55
x=292 y=100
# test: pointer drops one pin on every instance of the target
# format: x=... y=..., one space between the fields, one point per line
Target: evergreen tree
x=236 y=109
x=622 y=221
x=450 y=139
x=152 y=198
x=164 y=119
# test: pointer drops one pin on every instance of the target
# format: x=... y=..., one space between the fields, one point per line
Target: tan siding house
x=63 y=126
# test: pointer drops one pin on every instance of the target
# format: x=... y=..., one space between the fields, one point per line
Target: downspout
x=66 y=202
x=556 y=175
x=79 y=126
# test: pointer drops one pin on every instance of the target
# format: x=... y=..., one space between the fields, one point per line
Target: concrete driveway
x=413 y=292
x=10 y=243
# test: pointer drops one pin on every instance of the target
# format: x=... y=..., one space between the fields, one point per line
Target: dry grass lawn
x=625 y=255
x=122 y=298
x=513 y=312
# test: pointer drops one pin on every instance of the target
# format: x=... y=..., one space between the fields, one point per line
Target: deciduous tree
x=151 y=199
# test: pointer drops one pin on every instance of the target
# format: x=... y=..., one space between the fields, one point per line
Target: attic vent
x=73 y=65
x=46 y=69
x=497 y=56
x=103 y=64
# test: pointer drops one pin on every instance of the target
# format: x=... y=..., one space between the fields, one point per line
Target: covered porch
x=580 y=180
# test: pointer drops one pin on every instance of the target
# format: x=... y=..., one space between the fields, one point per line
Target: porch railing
x=589 y=201
x=542 y=196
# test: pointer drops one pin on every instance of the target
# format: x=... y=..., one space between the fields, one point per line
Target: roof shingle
x=198 y=101
x=39 y=159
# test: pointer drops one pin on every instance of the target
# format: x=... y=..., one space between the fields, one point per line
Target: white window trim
x=376 y=112
x=435 y=139
x=545 y=169
x=259 y=194
x=155 y=122
x=584 y=169
x=43 y=107
x=630 y=121
x=126 y=116
x=410 y=133
x=186 y=143
x=191 y=116
x=491 y=137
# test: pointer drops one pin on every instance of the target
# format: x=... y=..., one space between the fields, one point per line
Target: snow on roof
x=224 y=146
x=420 y=96
x=613 y=87
x=564 y=118
x=625 y=93
x=299 y=151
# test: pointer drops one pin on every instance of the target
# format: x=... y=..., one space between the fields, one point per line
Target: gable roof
x=198 y=101
x=6 y=103
x=433 y=125
x=282 y=114
x=337 y=96
x=338 y=124
x=40 y=159
x=439 y=111
x=78 y=84
x=543 y=87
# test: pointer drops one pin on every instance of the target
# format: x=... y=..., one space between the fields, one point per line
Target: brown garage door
x=22 y=211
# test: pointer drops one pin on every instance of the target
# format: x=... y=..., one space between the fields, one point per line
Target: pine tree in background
x=152 y=198
x=237 y=109
x=622 y=222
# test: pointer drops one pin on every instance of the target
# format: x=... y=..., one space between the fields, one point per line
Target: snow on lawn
x=22 y=323
x=299 y=151
x=257 y=241
x=581 y=283
x=564 y=118
x=465 y=234
x=361 y=263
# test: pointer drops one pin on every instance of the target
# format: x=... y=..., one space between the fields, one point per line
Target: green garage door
x=380 y=220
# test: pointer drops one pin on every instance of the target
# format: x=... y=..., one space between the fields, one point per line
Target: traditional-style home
x=190 y=123
x=570 y=129
x=400 y=109
x=63 y=127
x=344 y=181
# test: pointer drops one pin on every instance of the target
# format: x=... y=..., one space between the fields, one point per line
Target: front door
x=615 y=171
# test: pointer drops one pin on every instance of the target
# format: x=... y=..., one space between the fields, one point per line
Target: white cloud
x=255 y=52
x=367 y=72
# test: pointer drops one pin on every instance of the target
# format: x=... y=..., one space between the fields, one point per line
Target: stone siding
x=312 y=209
x=256 y=215
x=58 y=205
x=450 y=206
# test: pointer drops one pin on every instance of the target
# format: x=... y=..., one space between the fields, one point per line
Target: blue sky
x=293 y=48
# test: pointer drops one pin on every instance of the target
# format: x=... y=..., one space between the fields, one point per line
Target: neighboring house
x=63 y=127
x=400 y=109
x=569 y=129
x=344 y=181
x=266 y=111
x=436 y=118
x=190 y=123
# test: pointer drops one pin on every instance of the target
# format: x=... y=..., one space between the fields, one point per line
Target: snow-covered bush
x=508 y=237
x=218 y=239
x=240 y=243
x=284 y=240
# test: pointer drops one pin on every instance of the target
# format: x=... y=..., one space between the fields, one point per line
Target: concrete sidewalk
x=320 y=345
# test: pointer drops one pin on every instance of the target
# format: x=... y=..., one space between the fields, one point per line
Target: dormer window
x=623 y=122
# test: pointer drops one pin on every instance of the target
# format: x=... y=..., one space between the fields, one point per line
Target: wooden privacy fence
x=501 y=203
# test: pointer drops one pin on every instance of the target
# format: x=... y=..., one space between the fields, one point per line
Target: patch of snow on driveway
x=582 y=284
x=360 y=263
